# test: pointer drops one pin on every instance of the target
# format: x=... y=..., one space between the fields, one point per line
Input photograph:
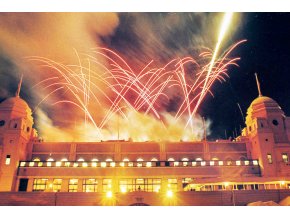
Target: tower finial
x=19 y=86
x=258 y=85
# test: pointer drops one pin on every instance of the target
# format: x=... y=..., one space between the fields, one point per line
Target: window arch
x=214 y=158
x=198 y=159
x=243 y=158
x=109 y=160
x=185 y=159
x=126 y=160
x=140 y=160
x=229 y=161
x=50 y=159
x=170 y=159
x=36 y=159
x=81 y=159
x=95 y=160
x=64 y=159
x=154 y=159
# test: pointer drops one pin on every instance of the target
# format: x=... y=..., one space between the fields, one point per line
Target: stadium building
x=252 y=167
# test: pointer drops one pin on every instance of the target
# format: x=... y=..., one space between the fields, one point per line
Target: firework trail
x=116 y=90
x=141 y=92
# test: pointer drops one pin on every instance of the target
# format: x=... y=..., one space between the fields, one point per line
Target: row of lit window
x=138 y=164
x=91 y=185
x=149 y=185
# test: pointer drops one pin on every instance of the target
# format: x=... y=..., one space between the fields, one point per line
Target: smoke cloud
x=62 y=37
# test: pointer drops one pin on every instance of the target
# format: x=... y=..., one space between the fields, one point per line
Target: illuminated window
x=186 y=182
x=90 y=185
x=75 y=164
x=40 y=164
x=238 y=162
x=103 y=164
x=31 y=164
x=184 y=161
x=255 y=162
x=56 y=185
x=49 y=160
x=221 y=163
x=198 y=159
x=112 y=164
x=211 y=163
x=94 y=162
x=148 y=164
x=73 y=185
x=285 y=157
x=81 y=159
x=58 y=164
x=154 y=159
x=39 y=185
x=107 y=185
x=247 y=162
x=84 y=164
x=109 y=160
x=229 y=162
x=130 y=164
x=122 y=164
x=193 y=163
x=126 y=160
x=202 y=163
x=36 y=159
x=148 y=185
x=214 y=158
x=8 y=160
x=67 y=164
x=269 y=157
x=176 y=163
x=172 y=184
x=139 y=162
x=64 y=159
x=22 y=164
x=170 y=159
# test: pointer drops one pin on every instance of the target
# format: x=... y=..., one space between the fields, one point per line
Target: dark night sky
x=266 y=52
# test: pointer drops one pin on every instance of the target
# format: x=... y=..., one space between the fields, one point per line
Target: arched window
x=140 y=160
x=126 y=160
x=171 y=159
x=63 y=159
x=243 y=158
x=154 y=159
x=81 y=159
x=95 y=160
x=198 y=159
x=214 y=158
x=185 y=160
x=109 y=160
x=36 y=159
x=50 y=159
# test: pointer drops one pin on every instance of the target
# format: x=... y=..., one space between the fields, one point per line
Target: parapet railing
x=111 y=164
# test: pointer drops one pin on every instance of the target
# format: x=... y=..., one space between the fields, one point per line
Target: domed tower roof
x=262 y=106
x=16 y=105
